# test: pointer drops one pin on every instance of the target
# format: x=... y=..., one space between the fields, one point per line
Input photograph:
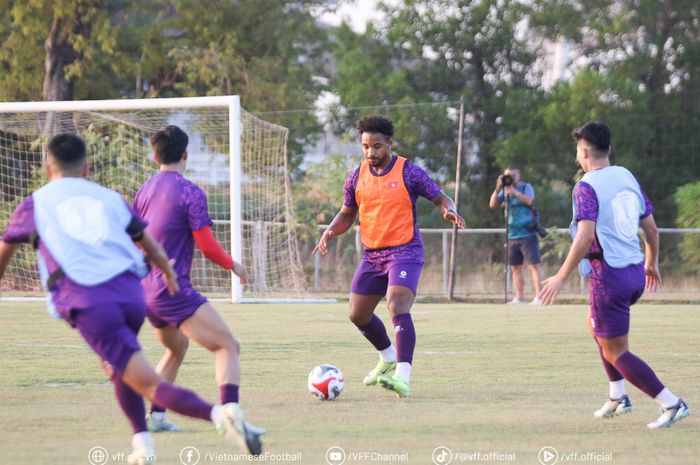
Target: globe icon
x=98 y=456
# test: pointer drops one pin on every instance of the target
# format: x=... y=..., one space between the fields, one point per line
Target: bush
x=687 y=199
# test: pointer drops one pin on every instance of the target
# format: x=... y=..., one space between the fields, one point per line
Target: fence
x=480 y=264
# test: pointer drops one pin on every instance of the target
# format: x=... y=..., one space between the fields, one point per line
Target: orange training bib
x=386 y=213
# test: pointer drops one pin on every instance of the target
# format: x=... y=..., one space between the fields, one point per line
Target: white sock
x=158 y=416
x=142 y=440
x=216 y=415
x=666 y=398
x=617 y=389
x=388 y=354
x=403 y=369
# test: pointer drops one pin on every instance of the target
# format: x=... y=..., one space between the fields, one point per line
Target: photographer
x=523 y=243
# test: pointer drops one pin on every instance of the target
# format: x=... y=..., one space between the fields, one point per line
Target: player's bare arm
x=651 y=255
x=341 y=223
x=156 y=255
x=448 y=209
x=6 y=251
x=584 y=238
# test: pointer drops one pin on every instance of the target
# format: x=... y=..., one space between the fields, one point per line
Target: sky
x=354 y=12
x=357 y=13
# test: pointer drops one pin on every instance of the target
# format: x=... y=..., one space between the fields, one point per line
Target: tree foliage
x=55 y=41
x=442 y=51
x=319 y=192
x=266 y=52
x=688 y=198
x=637 y=68
x=641 y=57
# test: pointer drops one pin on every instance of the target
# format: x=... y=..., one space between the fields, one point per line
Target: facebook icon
x=189 y=456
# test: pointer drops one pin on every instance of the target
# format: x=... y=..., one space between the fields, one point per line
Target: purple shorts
x=610 y=312
x=373 y=278
x=170 y=310
x=110 y=329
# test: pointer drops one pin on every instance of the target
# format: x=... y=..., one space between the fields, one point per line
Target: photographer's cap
x=595 y=133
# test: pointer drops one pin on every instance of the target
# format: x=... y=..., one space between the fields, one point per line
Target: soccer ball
x=326 y=382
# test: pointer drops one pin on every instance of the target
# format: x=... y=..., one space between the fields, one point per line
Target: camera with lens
x=538 y=229
x=507 y=180
x=535 y=225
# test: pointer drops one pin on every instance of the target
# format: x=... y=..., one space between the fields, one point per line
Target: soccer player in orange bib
x=384 y=189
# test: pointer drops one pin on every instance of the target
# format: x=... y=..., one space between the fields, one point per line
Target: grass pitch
x=492 y=383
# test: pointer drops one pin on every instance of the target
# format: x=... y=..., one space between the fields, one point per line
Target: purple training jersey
x=603 y=276
x=418 y=183
x=66 y=294
x=173 y=206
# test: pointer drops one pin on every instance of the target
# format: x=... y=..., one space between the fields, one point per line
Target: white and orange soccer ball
x=326 y=382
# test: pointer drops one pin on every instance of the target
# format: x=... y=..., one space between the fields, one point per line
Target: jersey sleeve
x=136 y=206
x=529 y=190
x=22 y=227
x=197 y=209
x=136 y=225
x=648 y=207
x=211 y=248
x=349 y=199
x=418 y=182
x=586 y=202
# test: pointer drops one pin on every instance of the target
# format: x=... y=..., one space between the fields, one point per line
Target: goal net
x=239 y=160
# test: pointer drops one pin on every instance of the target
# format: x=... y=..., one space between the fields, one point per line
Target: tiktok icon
x=442 y=456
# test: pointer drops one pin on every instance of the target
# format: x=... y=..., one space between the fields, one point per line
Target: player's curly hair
x=377 y=124
x=169 y=144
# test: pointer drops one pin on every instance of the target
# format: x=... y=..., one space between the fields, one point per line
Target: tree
x=647 y=54
x=319 y=192
x=266 y=52
x=687 y=198
x=541 y=138
x=441 y=50
x=64 y=37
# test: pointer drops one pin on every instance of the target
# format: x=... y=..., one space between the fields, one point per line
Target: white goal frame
x=235 y=170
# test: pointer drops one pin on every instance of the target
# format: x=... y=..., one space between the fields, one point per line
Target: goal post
x=238 y=159
x=234 y=127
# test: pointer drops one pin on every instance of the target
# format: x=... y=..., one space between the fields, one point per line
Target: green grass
x=486 y=378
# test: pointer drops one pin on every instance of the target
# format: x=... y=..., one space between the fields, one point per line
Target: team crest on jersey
x=392 y=184
x=626 y=213
x=83 y=218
